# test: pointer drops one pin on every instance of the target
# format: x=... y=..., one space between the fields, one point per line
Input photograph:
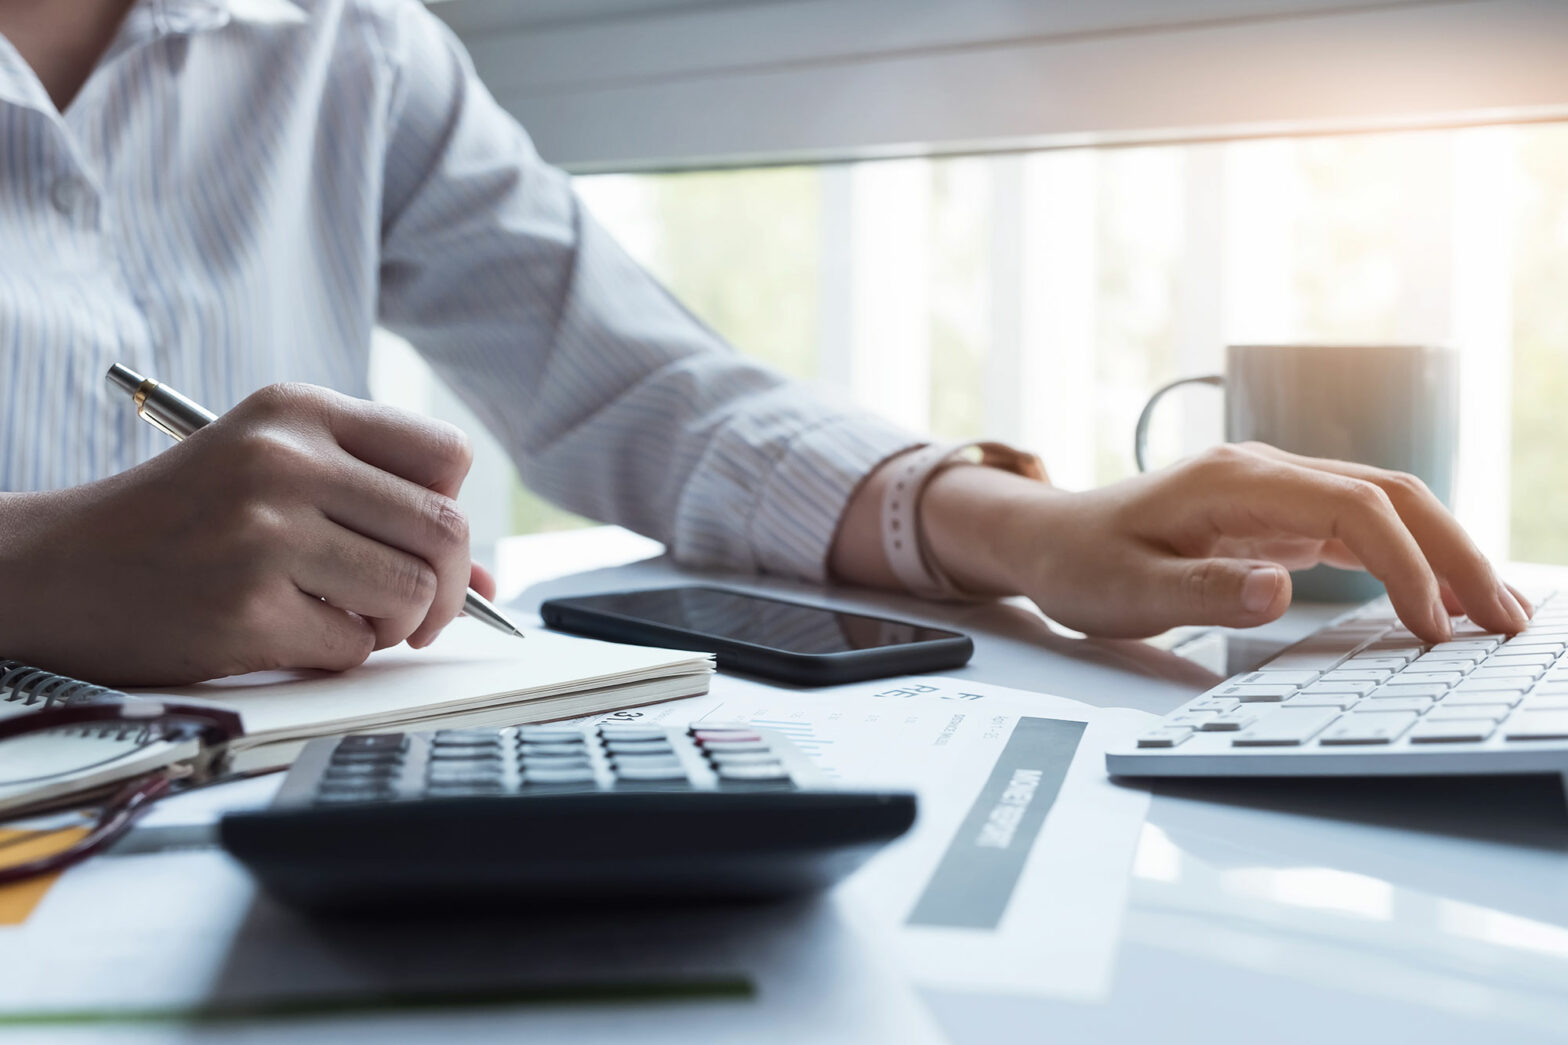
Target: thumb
x=1236 y=593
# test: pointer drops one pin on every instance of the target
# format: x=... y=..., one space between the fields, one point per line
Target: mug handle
x=1140 y=437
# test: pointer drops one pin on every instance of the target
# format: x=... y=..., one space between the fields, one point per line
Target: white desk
x=1319 y=911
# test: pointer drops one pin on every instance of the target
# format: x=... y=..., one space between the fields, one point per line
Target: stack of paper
x=471 y=676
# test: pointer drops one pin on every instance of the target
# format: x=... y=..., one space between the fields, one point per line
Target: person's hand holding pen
x=302 y=529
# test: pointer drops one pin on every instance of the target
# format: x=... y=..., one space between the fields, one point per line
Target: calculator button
x=715 y=746
x=550 y=734
x=742 y=758
x=640 y=747
x=466 y=736
x=761 y=771
x=701 y=735
x=646 y=771
x=537 y=774
x=619 y=732
x=552 y=750
x=464 y=754
x=378 y=742
x=338 y=794
x=463 y=790
x=359 y=771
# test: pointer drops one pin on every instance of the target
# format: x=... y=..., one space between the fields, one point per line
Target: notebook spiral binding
x=33 y=687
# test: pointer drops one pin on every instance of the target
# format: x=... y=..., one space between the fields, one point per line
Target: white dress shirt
x=243 y=189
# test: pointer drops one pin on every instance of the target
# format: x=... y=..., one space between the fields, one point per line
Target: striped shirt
x=244 y=189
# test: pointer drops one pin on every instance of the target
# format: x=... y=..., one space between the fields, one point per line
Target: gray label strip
x=974 y=881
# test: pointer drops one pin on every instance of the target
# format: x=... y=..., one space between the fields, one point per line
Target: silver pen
x=178 y=417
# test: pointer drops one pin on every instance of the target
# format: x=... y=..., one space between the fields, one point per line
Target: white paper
x=185 y=929
x=941 y=738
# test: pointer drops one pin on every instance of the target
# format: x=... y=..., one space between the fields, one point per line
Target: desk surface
x=1281 y=912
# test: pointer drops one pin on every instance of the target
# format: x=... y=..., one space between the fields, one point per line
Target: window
x=1039 y=297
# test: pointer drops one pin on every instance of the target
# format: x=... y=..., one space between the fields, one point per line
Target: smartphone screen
x=760 y=621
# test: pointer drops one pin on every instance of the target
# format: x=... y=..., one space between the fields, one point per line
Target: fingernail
x=1260 y=589
x=1515 y=611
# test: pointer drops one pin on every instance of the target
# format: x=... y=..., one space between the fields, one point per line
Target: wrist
x=984 y=526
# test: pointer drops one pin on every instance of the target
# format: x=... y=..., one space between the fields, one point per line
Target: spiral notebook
x=471 y=677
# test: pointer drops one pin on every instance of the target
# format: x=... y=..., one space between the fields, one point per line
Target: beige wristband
x=903 y=540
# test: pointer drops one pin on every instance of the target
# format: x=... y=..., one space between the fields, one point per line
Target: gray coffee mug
x=1393 y=406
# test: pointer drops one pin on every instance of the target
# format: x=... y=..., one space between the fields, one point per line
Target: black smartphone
x=773 y=638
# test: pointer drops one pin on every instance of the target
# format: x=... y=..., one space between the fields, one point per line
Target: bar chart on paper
x=1015 y=876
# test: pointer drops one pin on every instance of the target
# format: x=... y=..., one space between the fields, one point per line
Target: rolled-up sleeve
x=613 y=400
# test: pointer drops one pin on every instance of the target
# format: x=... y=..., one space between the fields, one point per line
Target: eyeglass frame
x=212 y=728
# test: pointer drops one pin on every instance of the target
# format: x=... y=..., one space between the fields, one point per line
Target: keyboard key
x=1370 y=727
x=1268 y=676
x=1512 y=671
x=1355 y=676
x=1322 y=700
x=1452 y=731
x=1544 y=703
x=1508 y=685
x=1460 y=699
x=1439 y=656
x=1388 y=653
x=1528 y=643
x=1467 y=645
x=1259 y=694
x=1392 y=691
x=1165 y=737
x=1537 y=725
x=1419 y=677
x=1190 y=719
x=1286 y=727
x=1444 y=713
x=1374 y=663
x=1214 y=704
x=1382 y=701
x=1229 y=722
x=1354 y=689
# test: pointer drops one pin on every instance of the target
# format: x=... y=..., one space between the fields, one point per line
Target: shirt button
x=68 y=195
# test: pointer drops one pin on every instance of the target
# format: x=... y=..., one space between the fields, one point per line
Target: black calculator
x=551 y=814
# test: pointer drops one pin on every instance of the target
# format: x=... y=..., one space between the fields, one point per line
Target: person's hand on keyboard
x=1209 y=541
x=300 y=530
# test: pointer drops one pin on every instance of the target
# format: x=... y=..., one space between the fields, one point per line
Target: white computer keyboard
x=1364 y=696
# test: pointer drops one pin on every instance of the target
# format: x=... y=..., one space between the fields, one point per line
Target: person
x=230 y=194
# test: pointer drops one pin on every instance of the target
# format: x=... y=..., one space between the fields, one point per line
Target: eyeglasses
x=148 y=721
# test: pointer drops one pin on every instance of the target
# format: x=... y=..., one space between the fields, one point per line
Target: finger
x=1453 y=555
x=480 y=580
x=1274 y=495
x=402 y=515
x=1524 y=604
x=389 y=587
x=313 y=634
x=1235 y=593
x=426 y=452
